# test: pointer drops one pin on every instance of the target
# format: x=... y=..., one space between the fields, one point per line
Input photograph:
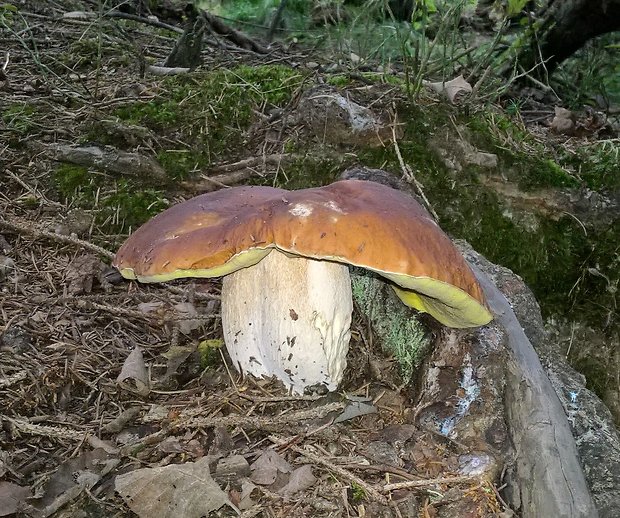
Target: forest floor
x=101 y=378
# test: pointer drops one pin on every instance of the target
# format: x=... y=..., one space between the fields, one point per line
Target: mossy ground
x=205 y=119
x=210 y=113
x=198 y=121
x=121 y=204
x=553 y=256
x=19 y=119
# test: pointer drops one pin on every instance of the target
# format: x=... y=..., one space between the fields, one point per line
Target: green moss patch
x=211 y=112
x=400 y=335
x=553 y=256
x=524 y=160
x=122 y=204
x=19 y=118
x=597 y=164
x=308 y=170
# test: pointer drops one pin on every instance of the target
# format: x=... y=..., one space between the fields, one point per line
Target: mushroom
x=286 y=293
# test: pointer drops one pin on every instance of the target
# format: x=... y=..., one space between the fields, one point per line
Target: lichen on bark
x=399 y=332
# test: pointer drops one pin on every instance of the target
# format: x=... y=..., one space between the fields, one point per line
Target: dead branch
x=238 y=38
x=112 y=160
x=234 y=173
x=259 y=423
x=166 y=71
x=146 y=21
x=409 y=176
x=51 y=432
x=23 y=227
x=274 y=159
x=413 y=484
x=9 y=380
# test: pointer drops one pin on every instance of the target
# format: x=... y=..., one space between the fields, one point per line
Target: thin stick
x=259 y=423
x=412 y=484
x=11 y=379
x=24 y=227
x=408 y=174
x=51 y=432
x=250 y=162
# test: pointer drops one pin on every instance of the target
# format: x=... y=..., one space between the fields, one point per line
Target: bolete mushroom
x=286 y=294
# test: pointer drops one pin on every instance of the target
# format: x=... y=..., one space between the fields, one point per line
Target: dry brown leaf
x=81 y=273
x=245 y=498
x=265 y=469
x=176 y=355
x=172 y=491
x=12 y=497
x=134 y=377
x=455 y=90
x=72 y=478
x=187 y=317
x=171 y=445
x=300 y=480
x=564 y=121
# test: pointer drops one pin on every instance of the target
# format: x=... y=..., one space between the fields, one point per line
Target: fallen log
x=547 y=478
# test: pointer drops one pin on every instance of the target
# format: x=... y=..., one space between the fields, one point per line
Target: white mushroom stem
x=289 y=317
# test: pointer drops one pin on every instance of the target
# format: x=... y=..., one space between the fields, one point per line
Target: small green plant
x=295 y=17
x=592 y=75
x=131 y=206
x=179 y=163
x=19 y=118
x=513 y=107
x=70 y=177
x=6 y=14
x=597 y=164
x=358 y=493
x=209 y=351
x=514 y=7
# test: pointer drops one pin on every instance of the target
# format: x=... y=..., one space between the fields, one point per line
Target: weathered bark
x=565 y=26
x=112 y=160
x=547 y=479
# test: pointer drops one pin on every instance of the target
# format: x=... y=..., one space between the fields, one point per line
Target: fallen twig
x=108 y=158
x=87 y=15
x=166 y=71
x=257 y=161
x=233 y=35
x=23 y=227
x=412 y=484
x=11 y=379
x=259 y=423
x=236 y=172
x=51 y=432
x=408 y=174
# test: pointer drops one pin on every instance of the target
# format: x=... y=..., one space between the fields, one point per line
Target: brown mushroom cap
x=356 y=222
